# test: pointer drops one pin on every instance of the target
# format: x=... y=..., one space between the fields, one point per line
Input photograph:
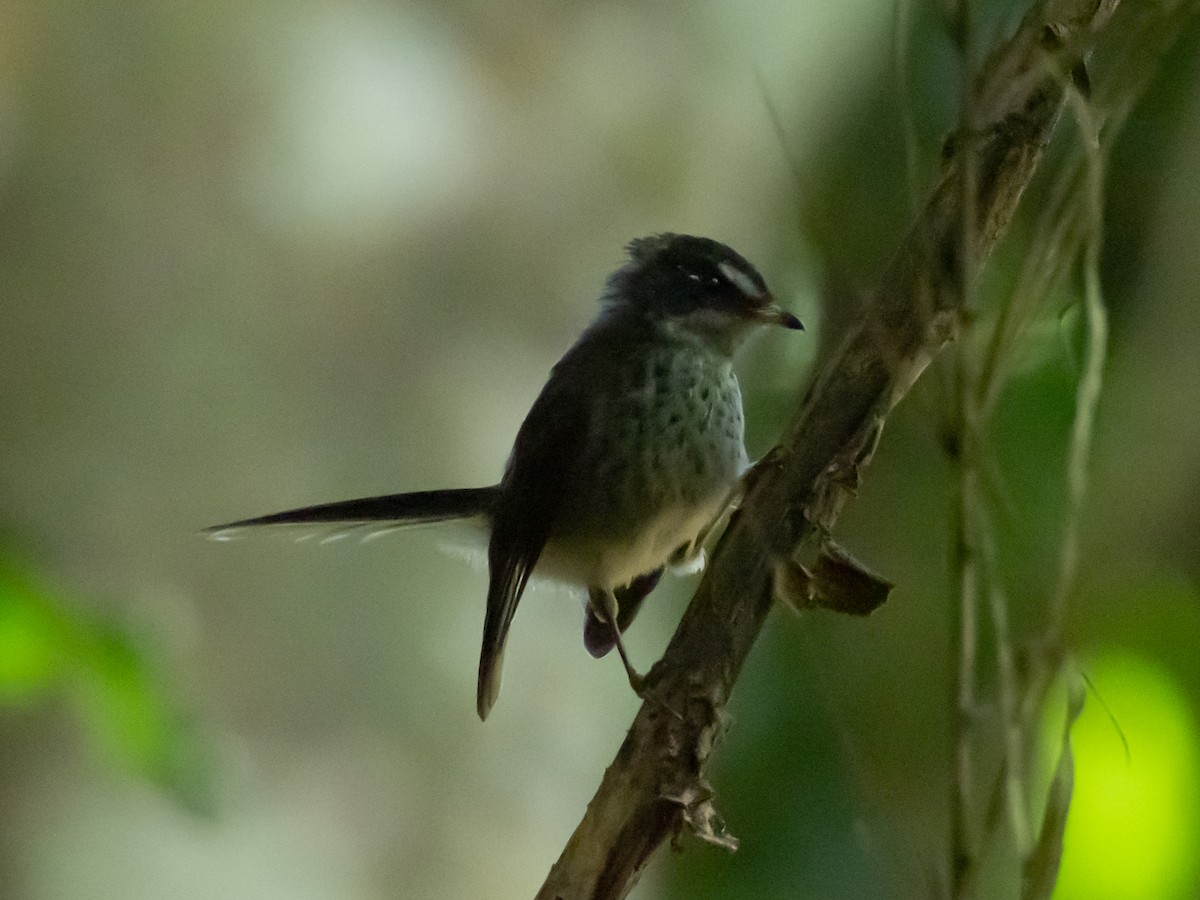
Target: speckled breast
x=665 y=449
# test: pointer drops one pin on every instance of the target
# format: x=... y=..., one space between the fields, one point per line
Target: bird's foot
x=644 y=685
x=637 y=681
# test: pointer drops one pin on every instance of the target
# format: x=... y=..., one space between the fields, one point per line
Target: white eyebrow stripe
x=739 y=279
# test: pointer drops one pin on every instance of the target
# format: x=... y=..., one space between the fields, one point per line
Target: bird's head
x=696 y=287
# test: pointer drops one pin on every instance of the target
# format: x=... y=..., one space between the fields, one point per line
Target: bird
x=628 y=458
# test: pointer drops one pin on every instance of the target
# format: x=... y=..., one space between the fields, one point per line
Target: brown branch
x=656 y=784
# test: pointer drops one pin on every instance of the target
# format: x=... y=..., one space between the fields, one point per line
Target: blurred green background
x=260 y=254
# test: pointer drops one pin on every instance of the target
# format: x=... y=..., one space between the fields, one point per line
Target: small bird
x=626 y=460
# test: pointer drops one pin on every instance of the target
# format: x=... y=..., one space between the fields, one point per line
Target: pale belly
x=614 y=561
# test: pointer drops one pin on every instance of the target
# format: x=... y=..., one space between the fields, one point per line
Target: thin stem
x=965 y=637
x=1087 y=396
x=1008 y=691
x=966 y=641
x=1055 y=236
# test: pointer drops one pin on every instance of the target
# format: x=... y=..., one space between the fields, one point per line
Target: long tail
x=415 y=508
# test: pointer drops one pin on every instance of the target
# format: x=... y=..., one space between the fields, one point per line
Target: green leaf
x=49 y=649
x=30 y=642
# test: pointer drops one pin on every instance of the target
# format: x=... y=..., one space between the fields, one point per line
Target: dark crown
x=674 y=274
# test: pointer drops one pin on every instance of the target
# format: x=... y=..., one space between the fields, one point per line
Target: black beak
x=773 y=314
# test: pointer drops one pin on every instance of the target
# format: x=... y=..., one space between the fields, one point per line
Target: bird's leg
x=604 y=604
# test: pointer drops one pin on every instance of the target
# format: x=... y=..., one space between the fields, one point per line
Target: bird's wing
x=544 y=460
